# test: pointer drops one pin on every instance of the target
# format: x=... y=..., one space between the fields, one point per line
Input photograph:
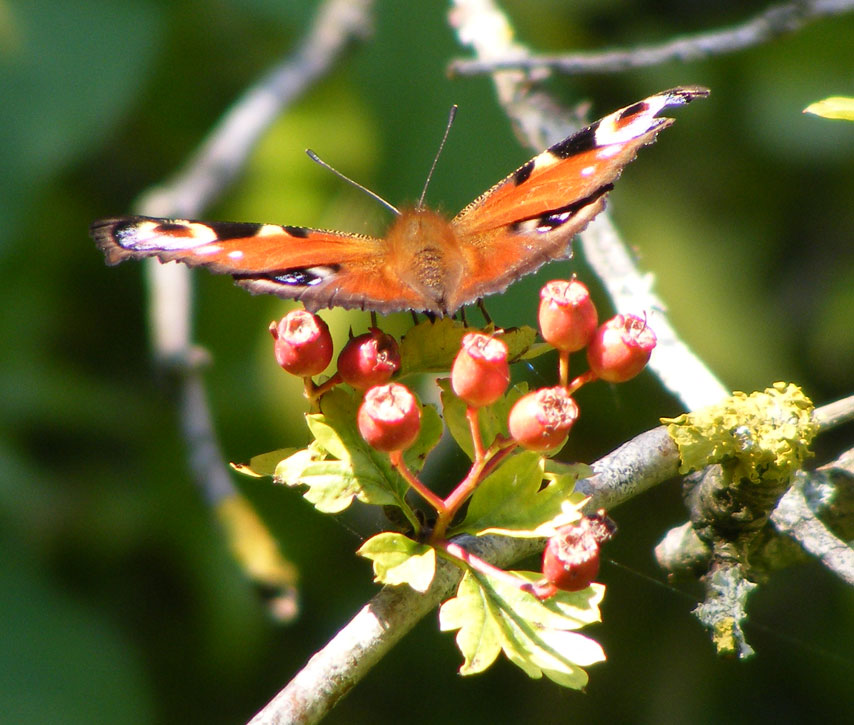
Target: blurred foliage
x=118 y=597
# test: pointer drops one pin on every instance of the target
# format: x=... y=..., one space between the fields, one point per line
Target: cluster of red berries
x=389 y=417
x=616 y=351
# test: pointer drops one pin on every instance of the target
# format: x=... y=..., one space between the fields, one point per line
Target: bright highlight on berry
x=389 y=418
x=369 y=359
x=303 y=345
x=621 y=348
x=480 y=373
x=540 y=421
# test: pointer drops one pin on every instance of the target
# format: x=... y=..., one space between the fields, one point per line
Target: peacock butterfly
x=425 y=262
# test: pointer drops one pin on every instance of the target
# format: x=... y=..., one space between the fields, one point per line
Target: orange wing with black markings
x=425 y=262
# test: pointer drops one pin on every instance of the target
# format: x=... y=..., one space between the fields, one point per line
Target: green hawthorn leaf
x=492 y=419
x=512 y=501
x=519 y=341
x=340 y=464
x=840 y=107
x=398 y=559
x=264 y=464
x=478 y=638
x=431 y=346
x=493 y=615
x=330 y=487
x=537 y=349
x=428 y=438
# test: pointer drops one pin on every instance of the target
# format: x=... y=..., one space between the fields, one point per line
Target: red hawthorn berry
x=571 y=556
x=540 y=421
x=480 y=373
x=369 y=359
x=303 y=345
x=620 y=349
x=389 y=418
x=567 y=315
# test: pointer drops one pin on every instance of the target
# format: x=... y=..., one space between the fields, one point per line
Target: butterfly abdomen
x=424 y=254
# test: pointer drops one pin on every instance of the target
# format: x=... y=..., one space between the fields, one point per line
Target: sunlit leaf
x=512 y=500
x=398 y=559
x=493 y=615
x=839 y=107
x=340 y=464
x=432 y=346
x=264 y=464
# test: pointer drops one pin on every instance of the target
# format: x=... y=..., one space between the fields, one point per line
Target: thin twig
x=771 y=23
x=205 y=176
x=482 y=26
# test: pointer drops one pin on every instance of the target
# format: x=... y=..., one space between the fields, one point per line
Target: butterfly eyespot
x=306 y=277
x=553 y=221
x=176 y=228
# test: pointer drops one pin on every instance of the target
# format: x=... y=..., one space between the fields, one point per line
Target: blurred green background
x=119 y=601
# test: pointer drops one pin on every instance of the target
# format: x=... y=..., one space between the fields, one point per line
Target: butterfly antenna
x=451 y=116
x=314 y=157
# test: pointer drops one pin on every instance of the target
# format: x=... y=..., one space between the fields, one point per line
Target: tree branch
x=482 y=26
x=206 y=175
x=771 y=23
x=645 y=461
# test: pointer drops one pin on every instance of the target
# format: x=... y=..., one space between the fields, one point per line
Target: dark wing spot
x=298 y=278
x=524 y=173
x=555 y=218
x=578 y=143
x=126 y=233
x=300 y=232
x=234 y=230
x=558 y=217
x=172 y=228
x=632 y=110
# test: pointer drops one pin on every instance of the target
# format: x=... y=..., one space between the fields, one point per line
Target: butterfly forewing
x=531 y=216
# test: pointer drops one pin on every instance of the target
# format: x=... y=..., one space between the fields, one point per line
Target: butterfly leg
x=482 y=307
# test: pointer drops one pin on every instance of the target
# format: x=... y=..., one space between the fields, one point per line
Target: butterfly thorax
x=425 y=255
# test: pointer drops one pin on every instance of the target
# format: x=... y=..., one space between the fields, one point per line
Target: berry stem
x=455 y=551
x=582 y=379
x=314 y=392
x=474 y=427
x=481 y=466
x=458 y=497
x=563 y=362
x=396 y=458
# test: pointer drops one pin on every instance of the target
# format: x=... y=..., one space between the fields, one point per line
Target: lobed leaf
x=397 y=559
x=492 y=615
x=264 y=464
x=340 y=464
x=513 y=502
